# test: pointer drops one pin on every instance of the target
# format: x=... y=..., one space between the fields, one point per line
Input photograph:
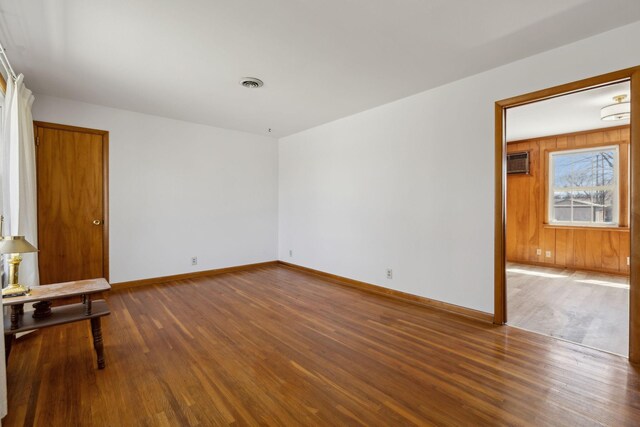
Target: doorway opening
x=565 y=213
x=567 y=239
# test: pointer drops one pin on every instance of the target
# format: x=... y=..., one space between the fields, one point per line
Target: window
x=583 y=187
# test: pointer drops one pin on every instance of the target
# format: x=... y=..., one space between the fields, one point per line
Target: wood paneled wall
x=589 y=248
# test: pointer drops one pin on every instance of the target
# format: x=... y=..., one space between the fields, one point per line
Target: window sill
x=586 y=227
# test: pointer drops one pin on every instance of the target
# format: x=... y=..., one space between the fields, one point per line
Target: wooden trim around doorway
x=105 y=181
x=500 y=294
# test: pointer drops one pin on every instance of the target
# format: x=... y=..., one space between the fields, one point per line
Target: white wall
x=178 y=190
x=409 y=185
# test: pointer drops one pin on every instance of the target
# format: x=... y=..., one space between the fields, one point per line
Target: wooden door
x=72 y=202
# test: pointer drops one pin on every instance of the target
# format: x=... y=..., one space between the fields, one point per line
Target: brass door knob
x=97 y=222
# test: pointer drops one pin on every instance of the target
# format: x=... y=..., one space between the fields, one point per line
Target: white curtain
x=3 y=369
x=18 y=203
x=19 y=197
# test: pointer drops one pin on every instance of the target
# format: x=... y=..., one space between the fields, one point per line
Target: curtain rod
x=6 y=64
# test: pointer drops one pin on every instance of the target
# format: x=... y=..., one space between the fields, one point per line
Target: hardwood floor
x=276 y=346
x=579 y=306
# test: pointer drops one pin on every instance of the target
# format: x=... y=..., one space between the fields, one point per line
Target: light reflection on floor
x=535 y=273
x=584 y=307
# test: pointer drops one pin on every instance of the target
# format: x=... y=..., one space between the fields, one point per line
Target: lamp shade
x=15 y=245
x=621 y=110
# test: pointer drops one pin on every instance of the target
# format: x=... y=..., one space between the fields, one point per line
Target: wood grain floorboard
x=580 y=306
x=275 y=346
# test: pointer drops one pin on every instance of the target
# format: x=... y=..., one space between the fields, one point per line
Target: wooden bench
x=15 y=320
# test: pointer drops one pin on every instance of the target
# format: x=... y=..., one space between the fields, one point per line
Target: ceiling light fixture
x=621 y=110
x=251 y=82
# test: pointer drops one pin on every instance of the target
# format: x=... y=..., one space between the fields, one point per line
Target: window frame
x=616 y=188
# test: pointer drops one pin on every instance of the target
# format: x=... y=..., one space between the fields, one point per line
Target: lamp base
x=15 y=291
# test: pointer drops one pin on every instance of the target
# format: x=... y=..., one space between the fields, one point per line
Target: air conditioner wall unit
x=518 y=163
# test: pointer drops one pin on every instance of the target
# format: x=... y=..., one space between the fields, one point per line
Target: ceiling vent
x=251 y=82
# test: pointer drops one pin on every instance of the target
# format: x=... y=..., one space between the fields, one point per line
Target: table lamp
x=15 y=245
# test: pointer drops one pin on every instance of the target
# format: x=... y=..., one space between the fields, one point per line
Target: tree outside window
x=584 y=186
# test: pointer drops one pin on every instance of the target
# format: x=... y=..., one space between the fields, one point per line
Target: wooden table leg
x=96 y=331
x=16 y=311
x=8 y=341
x=86 y=300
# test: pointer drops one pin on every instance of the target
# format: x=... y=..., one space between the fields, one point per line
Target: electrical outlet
x=538 y=251
x=389 y=273
x=290 y=253
x=547 y=254
x=628 y=261
x=194 y=260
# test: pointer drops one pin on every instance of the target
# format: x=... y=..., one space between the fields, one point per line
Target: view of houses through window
x=583 y=186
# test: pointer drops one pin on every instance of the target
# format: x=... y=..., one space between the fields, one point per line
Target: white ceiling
x=565 y=114
x=320 y=59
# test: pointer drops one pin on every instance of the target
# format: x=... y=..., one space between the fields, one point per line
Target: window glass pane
x=584 y=206
x=608 y=214
x=562 y=198
x=582 y=198
x=562 y=171
x=584 y=186
x=563 y=213
x=562 y=206
x=582 y=213
x=584 y=169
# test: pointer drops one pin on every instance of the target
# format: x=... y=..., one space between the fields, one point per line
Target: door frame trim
x=105 y=181
x=500 y=280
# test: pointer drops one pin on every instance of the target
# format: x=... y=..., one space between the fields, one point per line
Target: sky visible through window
x=584 y=186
